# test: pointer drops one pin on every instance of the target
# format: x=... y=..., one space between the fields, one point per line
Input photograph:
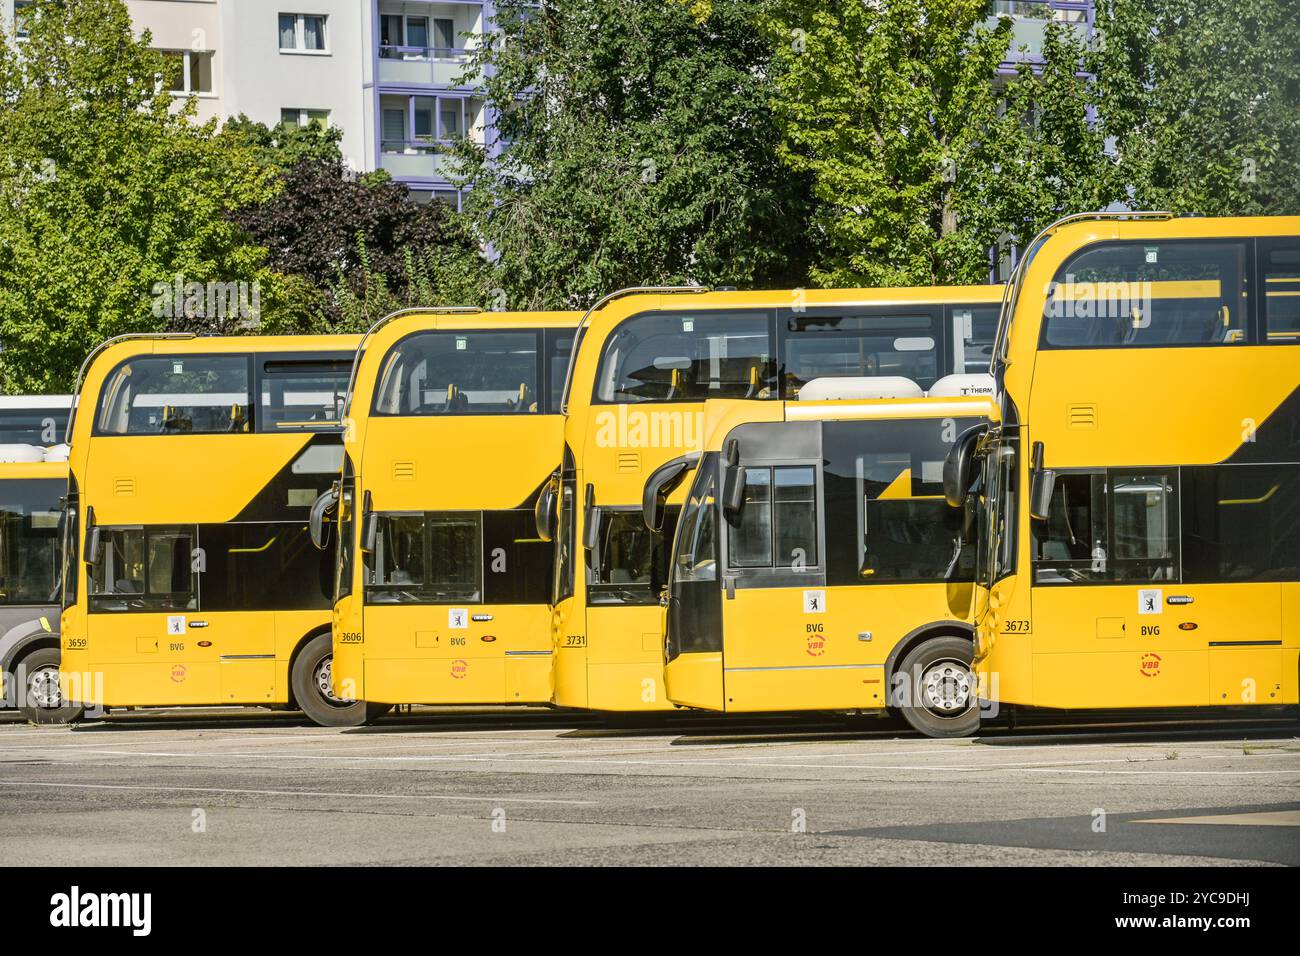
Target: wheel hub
x=946 y=688
x=43 y=688
x=324 y=680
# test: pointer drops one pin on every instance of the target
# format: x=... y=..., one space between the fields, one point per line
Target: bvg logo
x=1150 y=665
x=74 y=908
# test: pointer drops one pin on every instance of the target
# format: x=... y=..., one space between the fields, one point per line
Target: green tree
x=636 y=147
x=282 y=146
x=107 y=187
x=922 y=157
x=1202 y=98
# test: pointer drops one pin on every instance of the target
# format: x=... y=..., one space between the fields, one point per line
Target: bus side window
x=1280 y=264
x=821 y=344
x=1141 y=511
x=777 y=525
x=145 y=568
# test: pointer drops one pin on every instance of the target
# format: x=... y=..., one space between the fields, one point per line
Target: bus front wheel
x=939 y=689
x=42 y=702
x=313 y=690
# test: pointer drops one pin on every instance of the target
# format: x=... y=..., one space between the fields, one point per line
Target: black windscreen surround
x=263 y=567
x=886 y=519
x=517 y=564
x=1241 y=523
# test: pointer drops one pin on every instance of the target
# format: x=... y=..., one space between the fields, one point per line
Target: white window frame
x=304 y=118
x=300 y=34
x=187 y=77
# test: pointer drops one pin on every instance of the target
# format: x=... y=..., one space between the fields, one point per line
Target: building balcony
x=1029 y=19
x=418 y=160
x=443 y=67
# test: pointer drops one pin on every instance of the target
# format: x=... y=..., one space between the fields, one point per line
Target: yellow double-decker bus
x=1142 y=488
x=190 y=577
x=453 y=429
x=816 y=564
x=649 y=360
x=33 y=481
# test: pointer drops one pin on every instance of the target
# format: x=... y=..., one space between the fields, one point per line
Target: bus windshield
x=29 y=540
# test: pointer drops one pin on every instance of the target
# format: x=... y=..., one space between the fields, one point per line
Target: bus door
x=143 y=626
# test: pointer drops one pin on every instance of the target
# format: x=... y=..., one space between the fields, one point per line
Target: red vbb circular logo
x=816 y=645
x=1150 y=665
x=179 y=673
x=459 y=669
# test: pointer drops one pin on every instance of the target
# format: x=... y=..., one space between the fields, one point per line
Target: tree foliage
x=1202 y=99
x=636 y=146
x=350 y=236
x=923 y=158
x=106 y=189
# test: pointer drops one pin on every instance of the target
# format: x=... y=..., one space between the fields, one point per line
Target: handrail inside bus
x=1011 y=292
x=414 y=310
x=600 y=304
x=94 y=353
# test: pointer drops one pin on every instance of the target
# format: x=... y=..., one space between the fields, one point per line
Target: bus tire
x=939 y=690
x=312 y=693
x=41 y=699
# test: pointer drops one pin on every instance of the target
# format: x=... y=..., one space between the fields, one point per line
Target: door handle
x=198 y=623
x=729 y=583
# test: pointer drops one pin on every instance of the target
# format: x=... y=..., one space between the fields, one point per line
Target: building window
x=417 y=37
x=302 y=33
x=444 y=35
x=303 y=117
x=22 y=18
x=191 y=71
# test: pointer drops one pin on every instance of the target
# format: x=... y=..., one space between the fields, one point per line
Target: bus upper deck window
x=1121 y=294
x=832 y=344
x=186 y=394
x=303 y=395
x=454 y=372
x=1281 y=267
x=675 y=357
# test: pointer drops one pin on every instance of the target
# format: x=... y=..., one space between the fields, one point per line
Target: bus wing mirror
x=590 y=521
x=959 y=464
x=1042 y=481
x=369 y=531
x=369 y=526
x=544 y=510
x=733 y=490
x=321 y=508
x=661 y=483
x=94 y=546
x=1040 y=493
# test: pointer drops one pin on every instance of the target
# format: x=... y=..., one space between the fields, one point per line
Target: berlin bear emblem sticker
x=457 y=618
x=1149 y=601
x=814 y=602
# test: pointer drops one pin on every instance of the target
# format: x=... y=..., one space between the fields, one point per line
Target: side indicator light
x=488 y=638
x=205 y=643
x=1187 y=626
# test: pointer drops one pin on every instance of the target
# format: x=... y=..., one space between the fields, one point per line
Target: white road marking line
x=565 y=758
x=294 y=793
